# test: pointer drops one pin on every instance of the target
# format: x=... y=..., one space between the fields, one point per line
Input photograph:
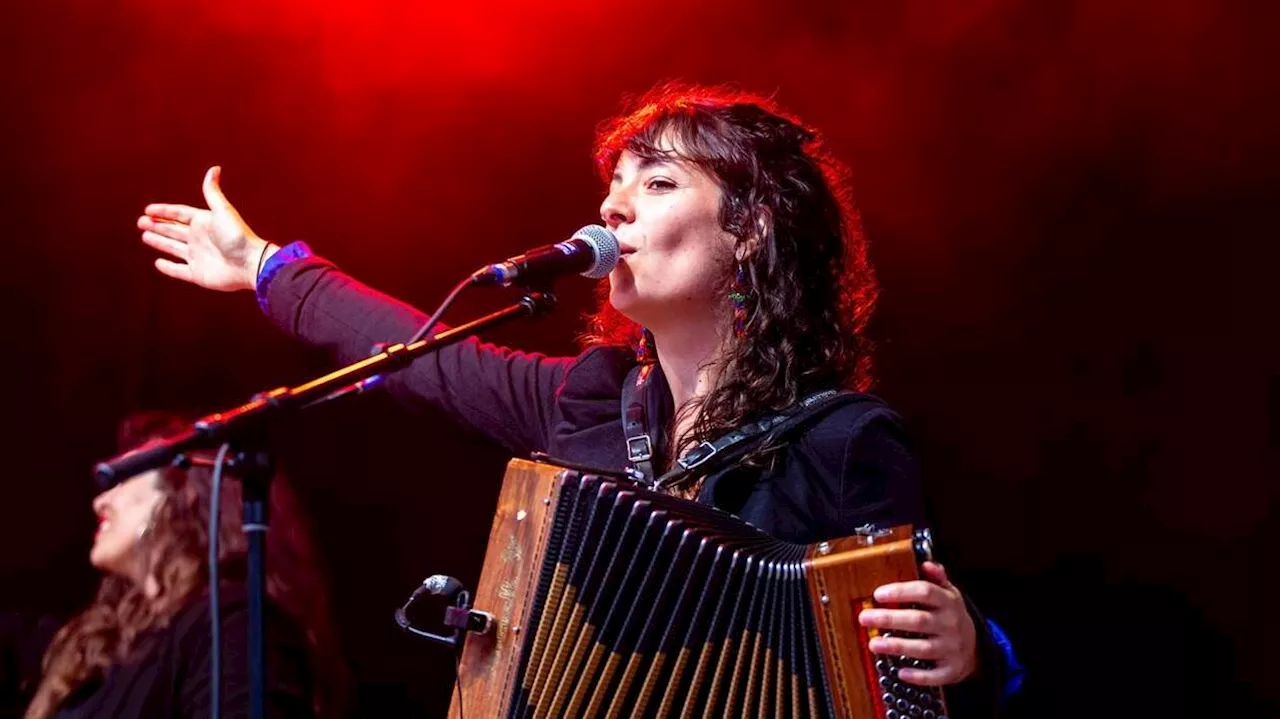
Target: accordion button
x=883 y=666
x=914 y=711
x=886 y=683
x=891 y=714
x=928 y=714
x=902 y=705
x=887 y=698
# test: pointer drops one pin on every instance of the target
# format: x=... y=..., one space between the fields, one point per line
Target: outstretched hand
x=947 y=638
x=212 y=248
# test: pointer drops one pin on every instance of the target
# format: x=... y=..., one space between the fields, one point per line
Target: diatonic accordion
x=609 y=600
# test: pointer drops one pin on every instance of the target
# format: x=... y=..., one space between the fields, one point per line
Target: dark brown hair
x=808 y=287
x=176 y=548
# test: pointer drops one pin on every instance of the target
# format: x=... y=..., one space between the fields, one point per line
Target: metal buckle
x=639 y=448
x=690 y=464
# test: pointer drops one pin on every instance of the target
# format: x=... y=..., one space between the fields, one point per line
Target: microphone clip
x=459 y=616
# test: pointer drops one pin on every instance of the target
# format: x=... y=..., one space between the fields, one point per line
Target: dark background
x=1073 y=217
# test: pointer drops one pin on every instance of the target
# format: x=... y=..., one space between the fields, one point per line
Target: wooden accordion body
x=613 y=601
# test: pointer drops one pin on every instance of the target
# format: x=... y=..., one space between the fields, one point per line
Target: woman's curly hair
x=176 y=547
x=807 y=285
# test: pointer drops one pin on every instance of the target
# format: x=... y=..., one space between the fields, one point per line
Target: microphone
x=441 y=585
x=591 y=252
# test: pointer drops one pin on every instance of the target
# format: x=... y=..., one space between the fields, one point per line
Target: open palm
x=212 y=248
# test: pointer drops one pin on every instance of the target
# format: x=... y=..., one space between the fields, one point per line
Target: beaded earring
x=646 y=349
x=739 y=299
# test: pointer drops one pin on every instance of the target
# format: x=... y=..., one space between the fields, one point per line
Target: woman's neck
x=687 y=355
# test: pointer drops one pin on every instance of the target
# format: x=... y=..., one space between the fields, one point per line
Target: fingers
x=917 y=592
x=172 y=230
x=915 y=648
x=948 y=640
x=937 y=574
x=168 y=237
x=936 y=677
x=213 y=190
x=178 y=249
x=901 y=620
x=176 y=270
x=184 y=214
x=172 y=213
x=925 y=662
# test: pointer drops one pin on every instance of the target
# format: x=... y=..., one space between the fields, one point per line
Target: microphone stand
x=243 y=428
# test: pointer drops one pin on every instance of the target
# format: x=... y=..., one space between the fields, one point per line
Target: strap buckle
x=697 y=455
x=639 y=448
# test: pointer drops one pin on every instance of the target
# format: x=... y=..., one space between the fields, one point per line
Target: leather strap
x=709 y=456
x=635 y=421
x=641 y=442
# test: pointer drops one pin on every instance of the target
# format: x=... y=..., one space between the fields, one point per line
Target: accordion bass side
x=609 y=600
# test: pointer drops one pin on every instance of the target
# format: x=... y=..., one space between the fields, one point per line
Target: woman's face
x=124 y=516
x=675 y=255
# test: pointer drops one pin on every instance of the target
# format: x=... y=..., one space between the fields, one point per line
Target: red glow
x=399 y=43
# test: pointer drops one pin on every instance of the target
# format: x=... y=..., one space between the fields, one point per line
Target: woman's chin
x=634 y=307
x=623 y=301
x=102 y=558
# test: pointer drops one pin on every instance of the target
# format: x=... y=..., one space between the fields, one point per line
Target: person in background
x=142 y=648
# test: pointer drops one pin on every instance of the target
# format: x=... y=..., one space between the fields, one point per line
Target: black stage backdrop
x=1073 y=216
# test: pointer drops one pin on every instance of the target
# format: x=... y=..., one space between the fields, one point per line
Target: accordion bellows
x=613 y=601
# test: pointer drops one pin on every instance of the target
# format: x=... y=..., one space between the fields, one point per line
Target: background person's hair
x=176 y=547
x=809 y=289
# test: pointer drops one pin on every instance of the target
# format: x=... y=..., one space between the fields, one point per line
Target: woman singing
x=743 y=287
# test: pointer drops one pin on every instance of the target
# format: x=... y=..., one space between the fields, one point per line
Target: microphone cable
x=215 y=621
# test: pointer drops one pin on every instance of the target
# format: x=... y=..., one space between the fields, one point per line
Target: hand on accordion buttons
x=946 y=635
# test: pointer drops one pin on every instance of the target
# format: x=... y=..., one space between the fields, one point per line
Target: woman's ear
x=759 y=235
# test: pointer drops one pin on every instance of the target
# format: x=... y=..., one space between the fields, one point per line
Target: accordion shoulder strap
x=709 y=456
x=641 y=444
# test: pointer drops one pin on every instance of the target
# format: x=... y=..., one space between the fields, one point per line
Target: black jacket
x=168 y=674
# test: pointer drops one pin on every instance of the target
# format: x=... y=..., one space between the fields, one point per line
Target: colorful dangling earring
x=646 y=350
x=739 y=298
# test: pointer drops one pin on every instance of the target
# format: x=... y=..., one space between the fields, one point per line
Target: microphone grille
x=441 y=585
x=605 y=244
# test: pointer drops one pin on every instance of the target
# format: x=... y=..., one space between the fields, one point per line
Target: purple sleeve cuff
x=291 y=252
x=1013 y=670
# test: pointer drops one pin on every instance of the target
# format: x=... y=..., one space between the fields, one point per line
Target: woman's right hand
x=212 y=248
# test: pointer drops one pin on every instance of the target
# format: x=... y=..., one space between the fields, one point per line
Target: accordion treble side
x=611 y=600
